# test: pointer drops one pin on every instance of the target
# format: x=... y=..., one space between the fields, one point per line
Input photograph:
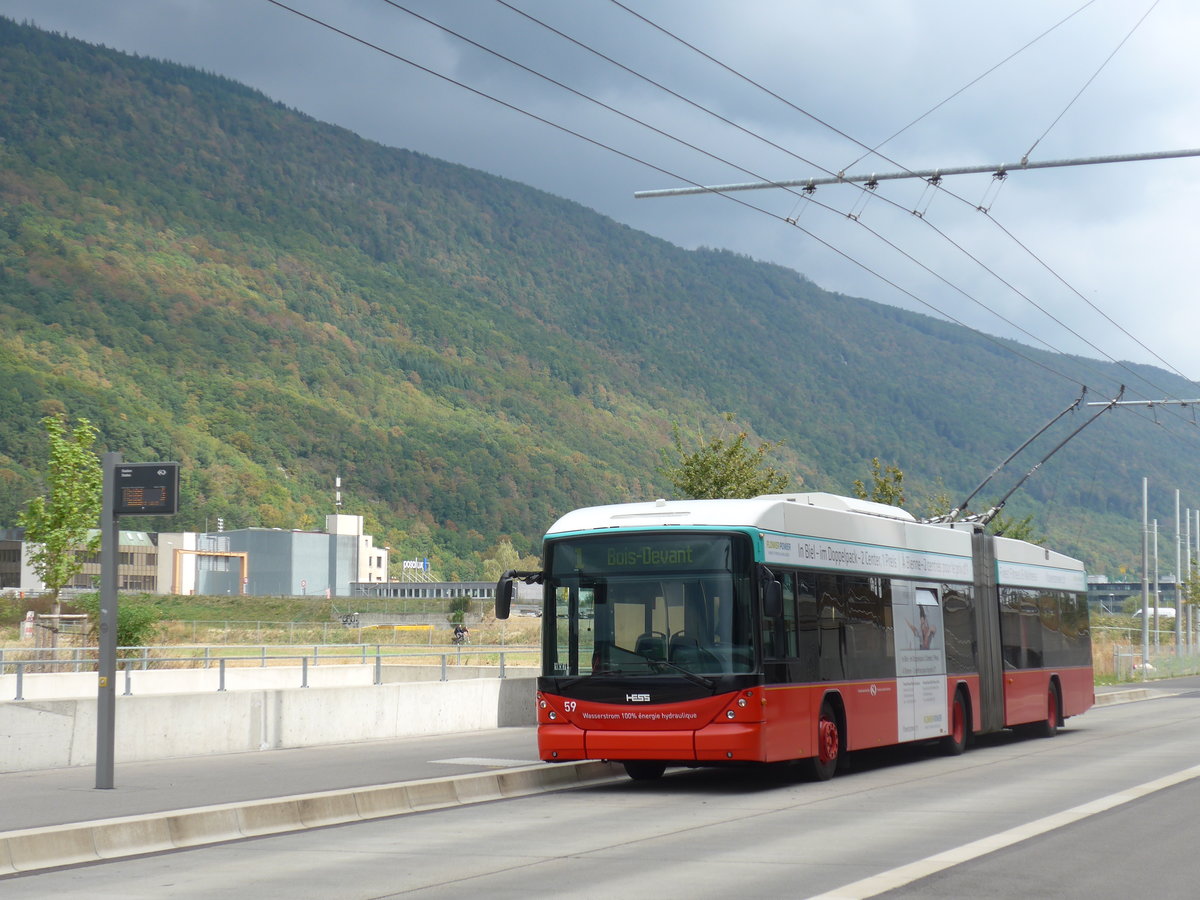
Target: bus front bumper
x=728 y=742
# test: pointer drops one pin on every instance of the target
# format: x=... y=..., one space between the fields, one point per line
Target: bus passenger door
x=921 y=705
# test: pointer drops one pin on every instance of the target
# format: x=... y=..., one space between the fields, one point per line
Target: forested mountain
x=211 y=277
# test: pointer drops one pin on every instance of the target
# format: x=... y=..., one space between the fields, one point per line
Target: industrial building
x=251 y=561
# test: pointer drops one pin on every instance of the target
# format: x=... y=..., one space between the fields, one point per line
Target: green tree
x=1191 y=586
x=137 y=620
x=57 y=525
x=459 y=607
x=721 y=467
x=937 y=502
x=887 y=485
x=504 y=556
x=1019 y=529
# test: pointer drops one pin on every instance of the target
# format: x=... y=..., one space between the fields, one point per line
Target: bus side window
x=958 y=622
x=808 y=652
x=779 y=634
x=831 y=619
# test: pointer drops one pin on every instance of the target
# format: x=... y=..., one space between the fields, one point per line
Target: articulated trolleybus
x=795 y=627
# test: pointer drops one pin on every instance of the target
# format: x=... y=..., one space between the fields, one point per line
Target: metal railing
x=83 y=659
x=225 y=631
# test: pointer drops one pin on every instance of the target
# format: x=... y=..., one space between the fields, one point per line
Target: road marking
x=898 y=877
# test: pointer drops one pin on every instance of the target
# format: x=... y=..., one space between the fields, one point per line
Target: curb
x=33 y=849
x=1110 y=698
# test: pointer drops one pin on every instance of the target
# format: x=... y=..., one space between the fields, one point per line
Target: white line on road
x=898 y=877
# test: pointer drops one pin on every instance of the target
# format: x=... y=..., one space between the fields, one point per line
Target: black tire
x=1048 y=727
x=955 y=743
x=644 y=769
x=824 y=765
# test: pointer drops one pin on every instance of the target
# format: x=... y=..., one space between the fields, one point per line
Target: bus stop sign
x=146 y=489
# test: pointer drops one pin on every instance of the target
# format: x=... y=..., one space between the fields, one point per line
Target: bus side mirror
x=772 y=593
x=504 y=589
x=504 y=593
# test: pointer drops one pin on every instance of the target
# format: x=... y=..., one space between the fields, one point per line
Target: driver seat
x=651 y=646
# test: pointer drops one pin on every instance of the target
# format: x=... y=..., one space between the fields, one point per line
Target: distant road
x=727 y=833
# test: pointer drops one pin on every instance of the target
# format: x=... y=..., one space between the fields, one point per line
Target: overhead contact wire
x=842 y=134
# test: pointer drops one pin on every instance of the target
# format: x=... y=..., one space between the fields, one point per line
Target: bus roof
x=829 y=517
x=767 y=511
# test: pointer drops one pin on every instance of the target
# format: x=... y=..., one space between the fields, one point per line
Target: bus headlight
x=729 y=714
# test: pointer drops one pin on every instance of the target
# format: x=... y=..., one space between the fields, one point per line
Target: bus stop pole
x=106 y=698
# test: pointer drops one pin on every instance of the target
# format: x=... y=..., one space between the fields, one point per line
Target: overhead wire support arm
x=1150 y=403
x=934 y=175
x=991 y=513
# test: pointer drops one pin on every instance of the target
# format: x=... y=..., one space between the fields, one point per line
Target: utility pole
x=1145 y=576
x=1157 y=585
x=1178 y=577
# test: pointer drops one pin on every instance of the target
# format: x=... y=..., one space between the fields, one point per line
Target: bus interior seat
x=651 y=646
x=685 y=650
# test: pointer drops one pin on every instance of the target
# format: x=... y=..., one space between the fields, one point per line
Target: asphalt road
x=1102 y=811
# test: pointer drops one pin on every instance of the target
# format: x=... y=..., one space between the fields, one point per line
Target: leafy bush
x=459 y=607
x=137 y=621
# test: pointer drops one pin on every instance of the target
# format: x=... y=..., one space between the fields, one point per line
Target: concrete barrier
x=44 y=734
x=64 y=845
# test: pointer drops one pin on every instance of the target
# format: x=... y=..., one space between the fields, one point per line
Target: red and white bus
x=795 y=627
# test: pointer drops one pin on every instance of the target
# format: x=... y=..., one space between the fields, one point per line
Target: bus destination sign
x=147 y=489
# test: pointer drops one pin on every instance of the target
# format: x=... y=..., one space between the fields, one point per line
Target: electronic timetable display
x=147 y=489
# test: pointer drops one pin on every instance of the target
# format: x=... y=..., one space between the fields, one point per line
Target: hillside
x=211 y=277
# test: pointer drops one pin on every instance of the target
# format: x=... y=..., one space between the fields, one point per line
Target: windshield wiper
x=701 y=680
x=658 y=665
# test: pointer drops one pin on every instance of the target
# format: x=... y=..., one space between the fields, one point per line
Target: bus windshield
x=648 y=604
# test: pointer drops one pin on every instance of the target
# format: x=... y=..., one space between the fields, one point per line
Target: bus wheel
x=644 y=769
x=955 y=742
x=825 y=763
x=1049 y=727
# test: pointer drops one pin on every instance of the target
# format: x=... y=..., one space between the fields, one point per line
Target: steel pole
x=1145 y=576
x=1157 y=585
x=1178 y=577
x=106 y=697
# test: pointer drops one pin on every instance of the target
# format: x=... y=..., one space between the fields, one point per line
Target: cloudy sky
x=595 y=100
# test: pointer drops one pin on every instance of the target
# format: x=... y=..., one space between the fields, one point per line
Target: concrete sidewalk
x=60 y=796
x=56 y=817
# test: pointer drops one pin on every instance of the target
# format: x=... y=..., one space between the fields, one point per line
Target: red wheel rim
x=827 y=739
